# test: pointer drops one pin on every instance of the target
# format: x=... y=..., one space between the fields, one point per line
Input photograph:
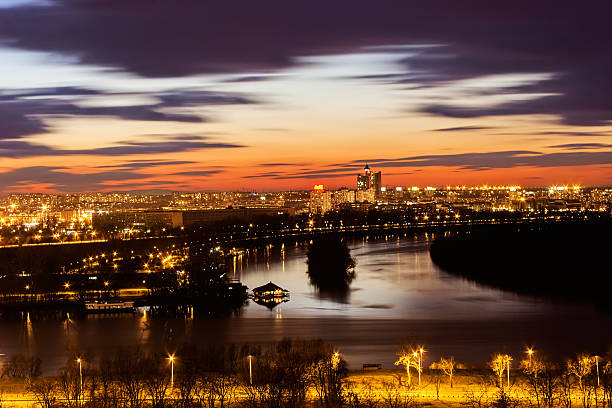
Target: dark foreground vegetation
x=567 y=261
x=310 y=373
x=330 y=264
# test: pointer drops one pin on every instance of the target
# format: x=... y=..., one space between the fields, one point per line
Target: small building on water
x=270 y=295
x=270 y=290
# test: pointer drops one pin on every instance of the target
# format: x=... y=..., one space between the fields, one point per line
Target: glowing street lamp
x=171 y=358
x=508 y=358
x=597 y=368
x=529 y=353
x=250 y=369
x=335 y=360
x=421 y=351
x=415 y=355
x=80 y=375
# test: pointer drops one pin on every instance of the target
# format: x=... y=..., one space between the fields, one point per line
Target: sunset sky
x=110 y=95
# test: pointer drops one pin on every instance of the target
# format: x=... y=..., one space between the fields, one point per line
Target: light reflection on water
x=395 y=279
x=398 y=293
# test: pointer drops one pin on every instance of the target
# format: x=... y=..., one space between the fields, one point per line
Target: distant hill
x=568 y=261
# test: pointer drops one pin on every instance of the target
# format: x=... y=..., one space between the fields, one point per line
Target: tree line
x=303 y=373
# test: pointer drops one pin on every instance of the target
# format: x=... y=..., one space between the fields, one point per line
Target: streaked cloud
x=18 y=148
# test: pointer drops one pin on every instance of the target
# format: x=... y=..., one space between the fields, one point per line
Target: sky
x=129 y=95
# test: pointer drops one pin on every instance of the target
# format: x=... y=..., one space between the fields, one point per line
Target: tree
x=543 y=380
x=129 y=371
x=607 y=380
x=499 y=364
x=156 y=382
x=448 y=367
x=581 y=367
x=43 y=390
x=330 y=264
x=407 y=359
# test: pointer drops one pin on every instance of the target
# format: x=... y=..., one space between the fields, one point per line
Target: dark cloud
x=62 y=179
x=127 y=176
x=198 y=173
x=15 y=122
x=572 y=133
x=169 y=39
x=22 y=112
x=310 y=175
x=463 y=161
x=573 y=112
x=500 y=160
x=262 y=175
x=139 y=164
x=248 y=78
x=582 y=146
x=280 y=164
x=18 y=148
x=461 y=128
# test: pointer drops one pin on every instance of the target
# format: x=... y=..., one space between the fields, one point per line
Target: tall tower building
x=369 y=180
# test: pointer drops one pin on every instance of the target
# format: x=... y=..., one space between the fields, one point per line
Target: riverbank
x=568 y=262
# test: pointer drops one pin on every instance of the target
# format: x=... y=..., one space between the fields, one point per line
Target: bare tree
x=448 y=367
x=407 y=359
x=565 y=390
x=203 y=391
x=106 y=391
x=360 y=395
x=392 y=397
x=69 y=386
x=606 y=382
x=223 y=387
x=581 y=367
x=129 y=369
x=44 y=391
x=499 y=363
x=155 y=384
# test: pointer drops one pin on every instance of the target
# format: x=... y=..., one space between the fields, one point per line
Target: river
x=398 y=295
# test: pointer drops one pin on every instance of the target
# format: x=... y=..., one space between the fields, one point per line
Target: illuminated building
x=320 y=200
x=343 y=196
x=369 y=180
x=362 y=196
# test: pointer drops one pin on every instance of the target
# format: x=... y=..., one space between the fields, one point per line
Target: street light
x=597 y=367
x=171 y=358
x=530 y=353
x=420 y=362
x=508 y=358
x=335 y=360
x=250 y=369
x=80 y=375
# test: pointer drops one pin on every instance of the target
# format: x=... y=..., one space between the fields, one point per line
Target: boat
x=110 y=307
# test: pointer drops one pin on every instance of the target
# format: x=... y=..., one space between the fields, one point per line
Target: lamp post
x=171 y=358
x=420 y=362
x=530 y=353
x=597 y=368
x=250 y=369
x=508 y=362
x=80 y=376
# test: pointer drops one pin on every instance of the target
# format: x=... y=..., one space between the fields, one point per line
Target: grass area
x=471 y=388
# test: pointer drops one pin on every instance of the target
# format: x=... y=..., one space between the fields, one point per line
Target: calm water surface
x=398 y=294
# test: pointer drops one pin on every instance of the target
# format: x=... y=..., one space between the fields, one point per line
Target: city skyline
x=272 y=97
